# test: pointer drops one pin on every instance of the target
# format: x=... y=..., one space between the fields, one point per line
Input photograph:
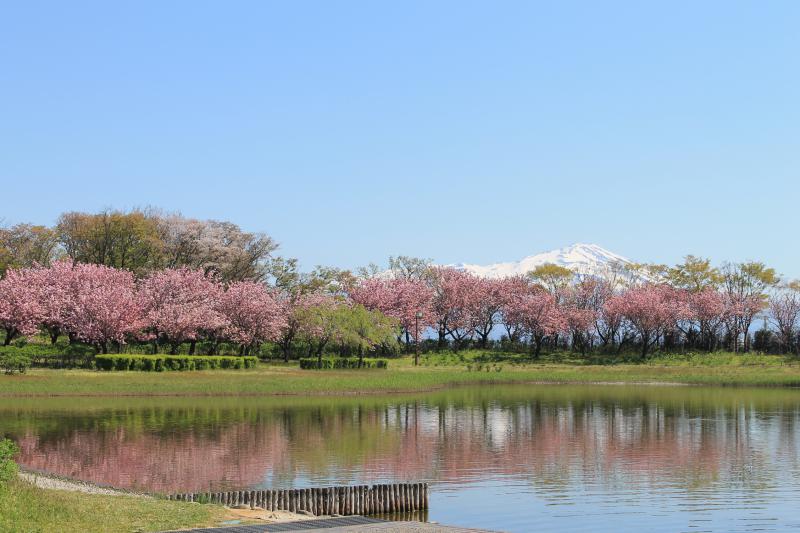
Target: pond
x=511 y=458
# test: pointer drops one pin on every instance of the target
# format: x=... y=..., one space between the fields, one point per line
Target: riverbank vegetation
x=437 y=371
x=145 y=282
x=26 y=508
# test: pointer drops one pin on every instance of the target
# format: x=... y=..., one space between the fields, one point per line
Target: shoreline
x=346 y=393
x=439 y=373
x=44 y=480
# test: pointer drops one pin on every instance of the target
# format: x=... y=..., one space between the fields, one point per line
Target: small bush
x=52 y=355
x=337 y=363
x=12 y=361
x=161 y=363
x=8 y=468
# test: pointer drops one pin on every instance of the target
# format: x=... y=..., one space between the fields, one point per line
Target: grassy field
x=25 y=508
x=438 y=371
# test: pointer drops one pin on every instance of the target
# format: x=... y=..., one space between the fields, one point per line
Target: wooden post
x=350 y=497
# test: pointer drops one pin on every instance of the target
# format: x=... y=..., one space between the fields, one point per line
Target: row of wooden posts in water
x=351 y=500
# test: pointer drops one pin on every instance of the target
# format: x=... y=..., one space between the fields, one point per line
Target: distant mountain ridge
x=583 y=259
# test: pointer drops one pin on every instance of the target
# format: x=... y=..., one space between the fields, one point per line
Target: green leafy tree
x=26 y=245
x=112 y=238
x=364 y=330
x=554 y=278
x=694 y=275
x=747 y=282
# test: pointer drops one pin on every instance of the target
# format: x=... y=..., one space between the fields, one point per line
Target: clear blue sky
x=459 y=131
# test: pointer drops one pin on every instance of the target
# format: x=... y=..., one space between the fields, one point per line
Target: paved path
x=359 y=524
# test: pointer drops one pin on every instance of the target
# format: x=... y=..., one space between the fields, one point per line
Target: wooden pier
x=344 y=501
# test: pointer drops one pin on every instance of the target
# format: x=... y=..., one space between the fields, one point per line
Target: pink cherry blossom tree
x=399 y=298
x=537 y=315
x=57 y=289
x=487 y=304
x=252 y=313
x=104 y=307
x=707 y=306
x=20 y=307
x=650 y=310
x=455 y=304
x=578 y=308
x=511 y=289
x=178 y=305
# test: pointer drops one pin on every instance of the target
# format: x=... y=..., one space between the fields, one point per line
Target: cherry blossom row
x=104 y=306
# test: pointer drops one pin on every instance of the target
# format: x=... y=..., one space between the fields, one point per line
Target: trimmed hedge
x=160 y=363
x=331 y=363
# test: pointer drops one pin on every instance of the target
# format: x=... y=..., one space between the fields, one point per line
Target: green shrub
x=14 y=361
x=8 y=468
x=160 y=362
x=336 y=363
x=52 y=355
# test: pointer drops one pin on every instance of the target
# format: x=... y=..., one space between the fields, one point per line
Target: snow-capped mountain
x=583 y=259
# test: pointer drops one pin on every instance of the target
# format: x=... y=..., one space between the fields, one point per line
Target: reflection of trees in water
x=551 y=442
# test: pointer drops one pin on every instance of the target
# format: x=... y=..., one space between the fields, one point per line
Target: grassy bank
x=24 y=507
x=444 y=370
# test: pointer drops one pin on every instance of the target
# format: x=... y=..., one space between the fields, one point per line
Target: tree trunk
x=192 y=345
x=537 y=344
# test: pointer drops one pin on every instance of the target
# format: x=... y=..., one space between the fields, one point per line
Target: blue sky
x=459 y=131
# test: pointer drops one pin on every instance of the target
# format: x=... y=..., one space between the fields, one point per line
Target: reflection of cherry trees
x=236 y=456
x=548 y=442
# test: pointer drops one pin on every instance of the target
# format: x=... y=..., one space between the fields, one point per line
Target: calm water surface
x=512 y=458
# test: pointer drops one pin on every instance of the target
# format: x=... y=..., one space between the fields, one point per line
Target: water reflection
x=614 y=447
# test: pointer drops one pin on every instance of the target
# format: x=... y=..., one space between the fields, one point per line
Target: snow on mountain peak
x=583 y=259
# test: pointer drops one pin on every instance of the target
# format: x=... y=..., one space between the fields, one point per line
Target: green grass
x=26 y=508
x=442 y=370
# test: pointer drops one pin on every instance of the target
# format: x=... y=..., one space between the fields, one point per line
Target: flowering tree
x=57 y=290
x=455 y=304
x=784 y=308
x=104 y=307
x=740 y=309
x=537 y=315
x=20 y=308
x=487 y=303
x=579 y=310
x=252 y=314
x=399 y=298
x=650 y=310
x=178 y=305
x=510 y=290
x=707 y=306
